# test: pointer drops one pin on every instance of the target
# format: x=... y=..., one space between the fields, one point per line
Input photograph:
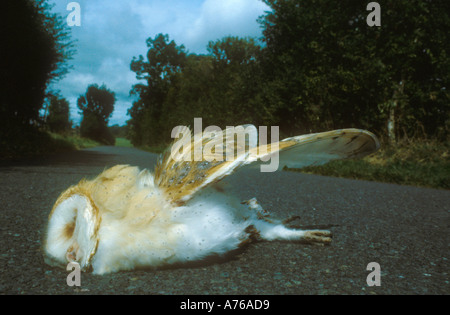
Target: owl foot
x=321 y=237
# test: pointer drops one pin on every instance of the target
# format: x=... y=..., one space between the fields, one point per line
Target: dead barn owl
x=127 y=218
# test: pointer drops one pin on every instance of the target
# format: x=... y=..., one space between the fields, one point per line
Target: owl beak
x=73 y=253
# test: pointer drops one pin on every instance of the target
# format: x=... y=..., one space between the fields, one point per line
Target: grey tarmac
x=404 y=229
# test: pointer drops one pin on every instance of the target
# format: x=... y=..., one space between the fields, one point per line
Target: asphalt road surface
x=403 y=229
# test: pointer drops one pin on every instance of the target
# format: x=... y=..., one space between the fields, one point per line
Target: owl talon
x=322 y=237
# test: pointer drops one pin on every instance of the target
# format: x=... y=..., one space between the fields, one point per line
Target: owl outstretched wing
x=318 y=148
x=181 y=174
x=203 y=159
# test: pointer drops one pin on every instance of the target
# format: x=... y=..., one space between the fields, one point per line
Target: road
x=403 y=229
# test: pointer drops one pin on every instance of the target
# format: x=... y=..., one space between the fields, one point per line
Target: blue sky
x=112 y=32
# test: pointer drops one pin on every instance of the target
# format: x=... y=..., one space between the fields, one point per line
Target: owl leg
x=254 y=205
x=263 y=214
x=272 y=232
x=270 y=229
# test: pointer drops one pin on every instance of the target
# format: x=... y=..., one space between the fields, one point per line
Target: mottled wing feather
x=180 y=179
x=320 y=148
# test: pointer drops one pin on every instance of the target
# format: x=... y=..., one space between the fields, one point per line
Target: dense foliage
x=58 y=115
x=319 y=66
x=96 y=107
x=35 y=48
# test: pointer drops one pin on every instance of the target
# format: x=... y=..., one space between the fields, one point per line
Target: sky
x=112 y=32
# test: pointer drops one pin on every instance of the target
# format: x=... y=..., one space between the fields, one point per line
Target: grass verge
x=33 y=142
x=61 y=142
x=425 y=164
x=421 y=163
x=122 y=142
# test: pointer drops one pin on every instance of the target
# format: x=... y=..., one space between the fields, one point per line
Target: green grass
x=34 y=142
x=122 y=142
x=63 y=142
x=425 y=164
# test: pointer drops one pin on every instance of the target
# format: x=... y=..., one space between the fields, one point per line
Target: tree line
x=37 y=48
x=96 y=107
x=318 y=66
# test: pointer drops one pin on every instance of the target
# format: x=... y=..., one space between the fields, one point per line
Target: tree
x=58 y=115
x=413 y=52
x=312 y=79
x=36 y=48
x=326 y=68
x=233 y=50
x=119 y=131
x=96 y=107
x=164 y=60
x=218 y=87
x=235 y=80
x=321 y=67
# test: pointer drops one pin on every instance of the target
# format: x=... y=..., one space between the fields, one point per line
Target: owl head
x=72 y=229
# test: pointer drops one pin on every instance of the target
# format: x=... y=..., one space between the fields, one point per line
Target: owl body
x=135 y=226
x=126 y=218
x=153 y=232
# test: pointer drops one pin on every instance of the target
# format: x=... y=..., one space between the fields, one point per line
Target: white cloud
x=220 y=18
